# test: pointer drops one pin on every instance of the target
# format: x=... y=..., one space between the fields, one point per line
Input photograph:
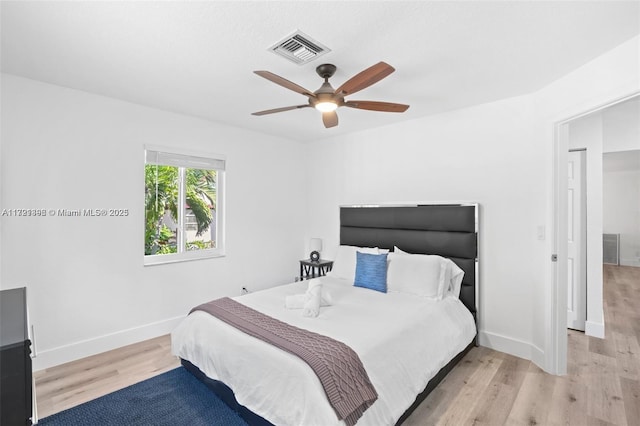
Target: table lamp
x=315 y=245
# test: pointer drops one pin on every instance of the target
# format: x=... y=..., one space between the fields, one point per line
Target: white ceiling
x=197 y=58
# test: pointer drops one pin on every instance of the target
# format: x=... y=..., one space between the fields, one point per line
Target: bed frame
x=449 y=230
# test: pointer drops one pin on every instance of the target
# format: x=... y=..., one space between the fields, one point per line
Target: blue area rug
x=170 y=399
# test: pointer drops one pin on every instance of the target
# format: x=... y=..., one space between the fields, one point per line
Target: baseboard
x=74 y=351
x=594 y=329
x=538 y=358
x=630 y=262
x=512 y=346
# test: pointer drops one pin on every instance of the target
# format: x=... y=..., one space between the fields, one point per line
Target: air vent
x=299 y=48
x=611 y=249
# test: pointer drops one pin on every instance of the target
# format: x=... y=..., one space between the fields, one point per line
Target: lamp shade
x=315 y=244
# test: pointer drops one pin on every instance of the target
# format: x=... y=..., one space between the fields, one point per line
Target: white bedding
x=402 y=341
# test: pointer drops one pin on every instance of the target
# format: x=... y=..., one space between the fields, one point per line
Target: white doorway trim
x=557 y=333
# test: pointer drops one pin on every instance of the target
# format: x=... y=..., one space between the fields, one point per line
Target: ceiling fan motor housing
x=326 y=93
x=326 y=71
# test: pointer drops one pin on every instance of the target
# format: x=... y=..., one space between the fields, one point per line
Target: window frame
x=180 y=158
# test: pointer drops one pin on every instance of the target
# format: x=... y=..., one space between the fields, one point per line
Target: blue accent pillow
x=371 y=271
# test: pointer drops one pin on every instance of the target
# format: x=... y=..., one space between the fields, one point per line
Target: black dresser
x=15 y=359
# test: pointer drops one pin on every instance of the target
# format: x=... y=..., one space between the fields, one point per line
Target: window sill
x=162 y=259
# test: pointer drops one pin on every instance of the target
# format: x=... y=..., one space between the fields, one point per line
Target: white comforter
x=402 y=341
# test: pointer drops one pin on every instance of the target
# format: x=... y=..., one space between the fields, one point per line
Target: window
x=183 y=207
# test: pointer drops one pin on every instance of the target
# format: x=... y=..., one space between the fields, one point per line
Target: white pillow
x=453 y=274
x=344 y=265
x=417 y=274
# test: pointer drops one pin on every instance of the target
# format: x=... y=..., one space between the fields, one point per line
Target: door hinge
x=554 y=257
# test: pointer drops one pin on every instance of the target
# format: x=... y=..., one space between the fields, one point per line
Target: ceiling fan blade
x=330 y=119
x=365 y=78
x=271 y=111
x=377 y=106
x=285 y=83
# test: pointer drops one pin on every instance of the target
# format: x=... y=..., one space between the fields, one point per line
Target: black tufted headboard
x=446 y=230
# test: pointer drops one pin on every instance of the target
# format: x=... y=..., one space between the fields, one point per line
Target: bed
x=393 y=333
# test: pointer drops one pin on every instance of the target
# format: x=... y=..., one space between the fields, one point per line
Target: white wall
x=616 y=128
x=485 y=154
x=499 y=154
x=606 y=79
x=621 y=196
x=621 y=206
x=88 y=288
x=502 y=155
x=621 y=126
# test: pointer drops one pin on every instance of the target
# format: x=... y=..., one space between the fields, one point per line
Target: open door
x=577 y=242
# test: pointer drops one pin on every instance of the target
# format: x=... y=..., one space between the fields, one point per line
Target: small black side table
x=308 y=268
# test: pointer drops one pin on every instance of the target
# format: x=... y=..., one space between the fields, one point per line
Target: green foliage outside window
x=162 y=185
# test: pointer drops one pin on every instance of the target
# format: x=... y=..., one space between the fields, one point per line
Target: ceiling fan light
x=326 y=106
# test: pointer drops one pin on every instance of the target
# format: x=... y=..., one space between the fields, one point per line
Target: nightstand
x=308 y=268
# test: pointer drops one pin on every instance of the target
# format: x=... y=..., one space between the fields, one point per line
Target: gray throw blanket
x=338 y=367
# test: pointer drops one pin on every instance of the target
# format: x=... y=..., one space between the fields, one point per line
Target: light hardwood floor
x=602 y=386
x=68 y=385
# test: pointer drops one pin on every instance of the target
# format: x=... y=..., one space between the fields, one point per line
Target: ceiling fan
x=327 y=100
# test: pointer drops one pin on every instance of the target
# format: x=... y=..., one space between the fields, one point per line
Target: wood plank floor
x=67 y=385
x=602 y=386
